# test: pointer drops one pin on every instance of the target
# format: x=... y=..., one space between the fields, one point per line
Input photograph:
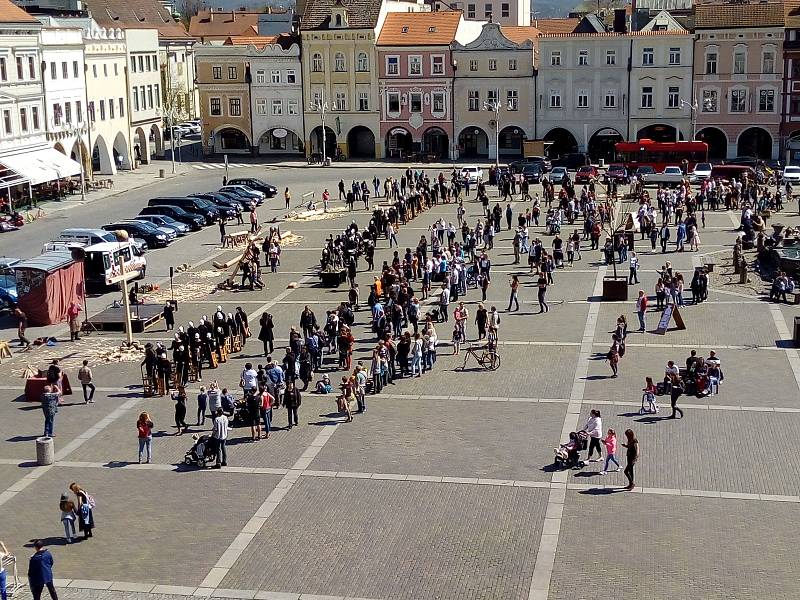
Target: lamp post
x=494 y=106
x=322 y=107
x=693 y=106
x=170 y=114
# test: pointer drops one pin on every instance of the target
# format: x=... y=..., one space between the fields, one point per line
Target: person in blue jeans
x=3 y=585
x=49 y=408
x=40 y=572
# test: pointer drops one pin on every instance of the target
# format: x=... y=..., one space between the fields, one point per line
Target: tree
x=190 y=9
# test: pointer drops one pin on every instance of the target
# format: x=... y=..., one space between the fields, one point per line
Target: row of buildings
x=83 y=93
x=395 y=78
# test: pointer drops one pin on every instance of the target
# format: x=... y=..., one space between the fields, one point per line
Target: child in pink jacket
x=610 y=442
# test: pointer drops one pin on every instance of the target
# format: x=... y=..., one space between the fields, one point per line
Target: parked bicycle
x=486 y=356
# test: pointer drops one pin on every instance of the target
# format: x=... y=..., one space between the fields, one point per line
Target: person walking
x=594 y=429
x=633 y=267
x=641 y=309
x=513 y=284
x=40 y=572
x=253 y=404
x=266 y=334
x=85 y=377
x=632 y=456
x=73 y=311
x=291 y=400
x=220 y=436
x=444 y=302
x=179 y=397
x=85 y=510
x=610 y=442
x=287 y=197
x=664 y=235
x=22 y=325
x=542 y=285
x=221 y=223
x=68 y=517
x=144 y=428
x=50 y=401
x=202 y=405
x=267 y=402
x=3 y=576
x=253 y=219
x=675 y=392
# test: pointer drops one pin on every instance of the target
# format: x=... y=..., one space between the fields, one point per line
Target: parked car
x=643 y=171
x=256 y=184
x=8 y=283
x=573 y=160
x=192 y=205
x=791 y=174
x=177 y=130
x=558 y=175
x=89 y=237
x=147 y=231
x=193 y=221
x=471 y=173
x=533 y=173
x=700 y=172
x=518 y=165
x=244 y=203
x=671 y=176
x=617 y=172
x=245 y=191
x=192 y=127
x=226 y=207
x=165 y=221
x=168 y=231
x=586 y=174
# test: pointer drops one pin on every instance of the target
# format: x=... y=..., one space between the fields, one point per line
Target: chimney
x=620 y=21
x=233 y=16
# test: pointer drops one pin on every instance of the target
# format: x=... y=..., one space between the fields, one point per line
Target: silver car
x=165 y=221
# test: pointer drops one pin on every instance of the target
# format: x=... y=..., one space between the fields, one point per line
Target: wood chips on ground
x=71 y=355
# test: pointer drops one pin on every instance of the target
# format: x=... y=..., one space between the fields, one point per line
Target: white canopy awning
x=41 y=166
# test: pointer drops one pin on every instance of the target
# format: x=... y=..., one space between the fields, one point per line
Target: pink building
x=415 y=79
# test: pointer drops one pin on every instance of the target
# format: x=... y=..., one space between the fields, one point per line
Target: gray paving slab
x=386 y=539
x=675 y=547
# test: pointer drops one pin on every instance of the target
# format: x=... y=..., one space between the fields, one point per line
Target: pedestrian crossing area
x=211 y=166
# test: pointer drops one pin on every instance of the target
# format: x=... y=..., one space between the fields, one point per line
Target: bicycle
x=489 y=359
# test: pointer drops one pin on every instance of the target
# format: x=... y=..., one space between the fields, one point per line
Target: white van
x=90 y=237
x=102 y=263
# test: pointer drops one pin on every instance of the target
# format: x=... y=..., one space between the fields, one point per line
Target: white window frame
x=275 y=76
x=773 y=100
x=414 y=60
x=648 y=56
x=411 y=101
x=582 y=99
x=362 y=62
x=554 y=99
x=261 y=106
x=317 y=63
x=291 y=76
x=673 y=96
x=261 y=76
x=583 y=57
x=293 y=107
x=674 y=56
x=363 y=106
x=437 y=64
x=739 y=51
x=555 y=58
x=473 y=65
x=765 y=52
x=492 y=64
x=713 y=95
x=389 y=97
x=611 y=57
x=512 y=100
x=612 y=96
x=646 y=98
x=339 y=62
x=739 y=93
x=713 y=51
x=438 y=97
x=392 y=61
x=512 y=64
x=276 y=107
x=341 y=101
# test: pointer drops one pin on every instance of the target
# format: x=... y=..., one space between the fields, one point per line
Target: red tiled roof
x=419 y=29
x=11 y=13
x=556 y=25
x=614 y=34
x=261 y=41
x=717 y=15
x=143 y=14
x=216 y=24
x=521 y=35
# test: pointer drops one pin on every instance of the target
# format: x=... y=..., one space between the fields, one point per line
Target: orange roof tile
x=419 y=29
x=520 y=35
x=716 y=15
x=11 y=13
x=614 y=34
x=217 y=24
x=556 y=25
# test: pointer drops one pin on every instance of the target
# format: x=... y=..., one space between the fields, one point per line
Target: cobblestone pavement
x=444 y=489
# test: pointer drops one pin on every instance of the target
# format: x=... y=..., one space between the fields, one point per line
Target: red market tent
x=47 y=284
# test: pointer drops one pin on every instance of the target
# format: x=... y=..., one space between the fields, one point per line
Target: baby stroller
x=567 y=456
x=203 y=451
x=652 y=405
x=472 y=276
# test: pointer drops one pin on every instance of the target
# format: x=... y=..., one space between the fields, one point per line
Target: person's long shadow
x=601 y=491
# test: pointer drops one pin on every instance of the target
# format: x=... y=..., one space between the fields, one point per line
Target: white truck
x=669 y=177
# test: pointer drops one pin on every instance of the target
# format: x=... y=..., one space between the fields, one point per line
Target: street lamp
x=78 y=129
x=321 y=106
x=693 y=106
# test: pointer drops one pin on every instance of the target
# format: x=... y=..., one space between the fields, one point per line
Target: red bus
x=660 y=154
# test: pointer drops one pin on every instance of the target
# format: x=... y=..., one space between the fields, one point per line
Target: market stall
x=47 y=285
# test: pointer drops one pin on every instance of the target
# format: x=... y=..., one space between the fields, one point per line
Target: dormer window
x=404 y=30
x=431 y=29
x=338 y=22
x=339 y=15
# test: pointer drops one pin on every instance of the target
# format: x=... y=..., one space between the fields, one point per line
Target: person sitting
x=324 y=385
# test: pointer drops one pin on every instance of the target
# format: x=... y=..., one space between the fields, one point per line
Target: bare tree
x=190 y=9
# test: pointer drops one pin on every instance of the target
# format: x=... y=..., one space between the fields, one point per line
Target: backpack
x=90 y=500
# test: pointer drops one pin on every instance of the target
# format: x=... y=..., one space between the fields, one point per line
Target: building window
x=711 y=63
x=135 y=104
x=216 y=107
x=362 y=64
x=261 y=106
x=610 y=99
x=473 y=65
x=94 y=71
x=766 y=101
x=116 y=69
x=3 y=69
x=149 y=96
x=555 y=58
x=142 y=98
x=392 y=65
x=20 y=70
x=583 y=58
x=102 y=110
x=133 y=64
x=363 y=101
x=105 y=70
x=121 y=108
x=611 y=57
x=341 y=101
x=31 y=67
x=338 y=62
x=157 y=95
x=53 y=71
x=583 y=99
x=68 y=112
x=437 y=65
x=275 y=76
x=555 y=98
x=738 y=101
x=647 y=97
x=75 y=68
x=35 y=117
x=487 y=11
x=474 y=100
x=393 y=102
x=505 y=10
x=512 y=64
x=438 y=103
x=110 y=109
x=673 y=97
x=492 y=96
x=674 y=56
x=7 y=122
x=415 y=65
x=512 y=100
x=794 y=106
x=23 y=119
x=739 y=62
x=768 y=61
x=415 y=102
x=232 y=73
x=470 y=11
x=64 y=70
x=277 y=108
x=291 y=76
x=647 y=57
x=235 y=107
x=216 y=72
x=261 y=76
x=492 y=64
x=316 y=63
x=141 y=64
x=79 y=111
x=147 y=66
x=293 y=107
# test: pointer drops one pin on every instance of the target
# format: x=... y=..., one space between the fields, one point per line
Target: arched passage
x=157 y=139
x=80 y=154
x=141 y=146
x=755 y=141
x=473 y=143
x=601 y=144
x=361 y=142
x=399 y=143
x=101 y=158
x=717 y=142
x=658 y=133
x=436 y=143
x=511 y=139
x=315 y=139
x=279 y=141
x=122 y=157
x=230 y=139
x=561 y=142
